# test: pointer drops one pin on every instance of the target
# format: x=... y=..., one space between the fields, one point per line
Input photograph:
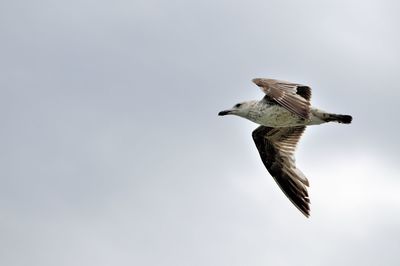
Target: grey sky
x=112 y=152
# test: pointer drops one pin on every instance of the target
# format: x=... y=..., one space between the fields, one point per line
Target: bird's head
x=240 y=109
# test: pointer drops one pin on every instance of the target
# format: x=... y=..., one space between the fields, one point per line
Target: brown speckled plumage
x=283 y=115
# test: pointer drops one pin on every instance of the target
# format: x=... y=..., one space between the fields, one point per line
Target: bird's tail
x=344 y=119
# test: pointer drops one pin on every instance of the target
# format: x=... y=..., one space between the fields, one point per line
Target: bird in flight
x=283 y=115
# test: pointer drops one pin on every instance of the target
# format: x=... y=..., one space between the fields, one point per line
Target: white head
x=241 y=109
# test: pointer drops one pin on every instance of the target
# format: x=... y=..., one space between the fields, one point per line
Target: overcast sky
x=112 y=153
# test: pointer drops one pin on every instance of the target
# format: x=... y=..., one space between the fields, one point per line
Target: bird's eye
x=238 y=105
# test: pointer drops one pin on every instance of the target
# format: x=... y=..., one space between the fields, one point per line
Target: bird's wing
x=276 y=147
x=294 y=97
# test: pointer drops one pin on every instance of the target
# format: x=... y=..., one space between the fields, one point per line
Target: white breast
x=274 y=116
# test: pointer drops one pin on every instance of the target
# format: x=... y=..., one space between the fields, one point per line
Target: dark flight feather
x=276 y=147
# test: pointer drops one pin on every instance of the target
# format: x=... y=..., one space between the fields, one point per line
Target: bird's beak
x=226 y=112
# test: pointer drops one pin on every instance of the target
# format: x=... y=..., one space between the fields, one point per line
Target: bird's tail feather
x=344 y=119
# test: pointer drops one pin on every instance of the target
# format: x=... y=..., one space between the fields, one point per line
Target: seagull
x=283 y=114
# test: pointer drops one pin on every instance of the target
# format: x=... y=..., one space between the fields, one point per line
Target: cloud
x=112 y=151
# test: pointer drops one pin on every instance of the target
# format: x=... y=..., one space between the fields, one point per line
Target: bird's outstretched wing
x=294 y=97
x=276 y=147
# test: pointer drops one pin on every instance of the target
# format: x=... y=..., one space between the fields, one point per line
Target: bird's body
x=283 y=115
x=270 y=114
